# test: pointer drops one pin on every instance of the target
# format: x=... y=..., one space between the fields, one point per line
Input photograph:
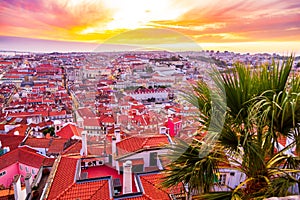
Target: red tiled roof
x=64 y=177
x=74 y=148
x=91 y=122
x=142 y=120
x=28 y=114
x=136 y=143
x=30 y=157
x=140 y=108
x=64 y=185
x=22 y=155
x=152 y=188
x=69 y=131
x=38 y=142
x=49 y=161
x=57 y=113
x=11 y=141
x=2 y=127
x=9 y=158
x=94 y=190
x=21 y=130
x=35 y=100
x=108 y=119
x=57 y=146
x=99 y=150
x=85 y=112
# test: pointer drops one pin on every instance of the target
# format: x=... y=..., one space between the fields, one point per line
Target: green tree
x=49 y=130
x=262 y=105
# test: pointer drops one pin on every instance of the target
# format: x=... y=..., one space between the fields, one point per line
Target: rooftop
x=11 y=141
x=68 y=131
x=105 y=170
x=139 y=142
x=22 y=155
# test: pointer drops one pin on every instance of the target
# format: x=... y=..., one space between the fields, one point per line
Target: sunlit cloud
x=217 y=21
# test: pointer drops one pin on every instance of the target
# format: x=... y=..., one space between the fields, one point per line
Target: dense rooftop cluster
x=96 y=125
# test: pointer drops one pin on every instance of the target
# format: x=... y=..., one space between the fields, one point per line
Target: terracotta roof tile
x=64 y=177
x=91 y=122
x=85 y=112
x=136 y=143
x=57 y=113
x=108 y=119
x=22 y=155
x=11 y=141
x=30 y=157
x=49 y=161
x=38 y=142
x=152 y=188
x=20 y=129
x=64 y=185
x=57 y=146
x=98 y=189
x=74 y=148
x=69 y=131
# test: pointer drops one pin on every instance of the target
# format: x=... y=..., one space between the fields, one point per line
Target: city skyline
x=241 y=26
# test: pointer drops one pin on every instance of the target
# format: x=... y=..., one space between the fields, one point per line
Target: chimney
x=117 y=120
x=28 y=182
x=83 y=151
x=114 y=150
x=127 y=177
x=80 y=122
x=117 y=133
x=17 y=187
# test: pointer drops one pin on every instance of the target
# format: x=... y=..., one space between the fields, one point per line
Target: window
x=2 y=173
x=222 y=179
x=153 y=159
x=21 y=167
x=26 y=169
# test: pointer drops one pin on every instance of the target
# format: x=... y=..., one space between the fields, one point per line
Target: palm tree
x=262 y=105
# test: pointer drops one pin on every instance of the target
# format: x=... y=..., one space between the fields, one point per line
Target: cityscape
x=115 y=100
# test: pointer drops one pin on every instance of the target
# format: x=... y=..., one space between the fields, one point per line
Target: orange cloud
x=50 y=19
x=217 y=21
x=229 y=21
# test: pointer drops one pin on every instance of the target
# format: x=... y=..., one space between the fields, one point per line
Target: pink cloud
x=250 y=20
x=47 y=15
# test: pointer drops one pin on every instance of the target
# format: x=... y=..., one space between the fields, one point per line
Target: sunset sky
x=239 y=25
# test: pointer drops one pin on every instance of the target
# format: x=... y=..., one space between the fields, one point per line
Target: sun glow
x=133 y=14
x=211 y=22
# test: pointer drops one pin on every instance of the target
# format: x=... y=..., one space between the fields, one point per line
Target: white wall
x=145 y=155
